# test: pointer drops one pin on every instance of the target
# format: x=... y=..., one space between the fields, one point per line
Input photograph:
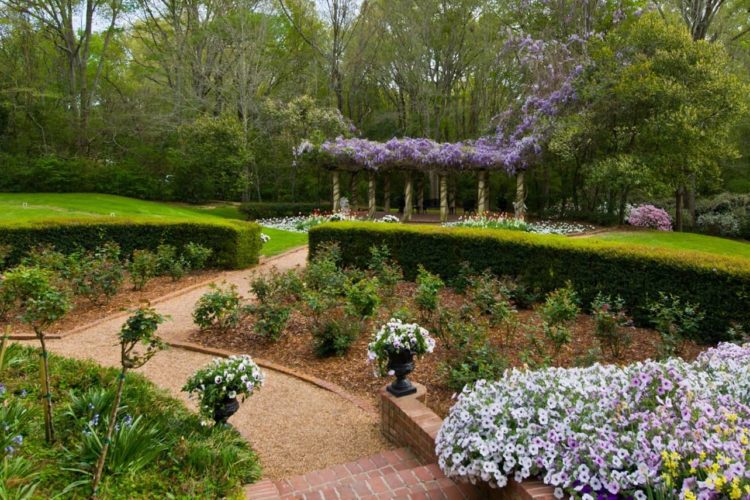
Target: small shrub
x=169 y=263
x=650 y=217
x=386 y=269
x=486 y=292
x=362 y=298
x=558 y=311
x=46 y=257
x=462 y=280
x=196 y=255
x=143 y=266
x=674 y=320
x=323 y=272
x=426 y=295
x=218 y=308
x=721 y=224
x=609 y=319
x=335 y=336
x=98 y=276
x=275 y=293
x=471 y=356
x=270 y=320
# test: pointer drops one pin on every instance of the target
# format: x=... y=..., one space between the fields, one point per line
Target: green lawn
x=680 y=241
x=35 y=206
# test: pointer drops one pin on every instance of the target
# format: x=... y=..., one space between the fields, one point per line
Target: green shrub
x=558 y=312
x=270 y=319
x=275 y=292
x=171 y=264
x=98 y=275
x=218 y=308
x=719 y=285
x=471 y=356
x=426 y=295
x=46 y=257
x=323 y=272
x=196 y=255
x=674 y=320
x=143 y=266
x=255 y=210
x=385 y=269
x=362 y=298
x=234 y=244
x=609 y=320
x=335 y=336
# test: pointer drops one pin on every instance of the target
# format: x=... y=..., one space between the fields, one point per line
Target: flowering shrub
x=649 y=216
x=397 y=336
x=723 y=224
x=648 y=430
x=224 y=378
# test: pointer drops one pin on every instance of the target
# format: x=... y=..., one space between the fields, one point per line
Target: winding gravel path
x=294 y=426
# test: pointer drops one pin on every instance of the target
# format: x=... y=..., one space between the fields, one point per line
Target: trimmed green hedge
x=235 y=244
x=719 y=285
x=256 y=210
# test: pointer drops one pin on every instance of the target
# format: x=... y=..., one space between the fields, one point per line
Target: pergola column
x=443 y=198
x=452 y=196
x=371 y=195
x=387 y=193
x=482 y=192
x=520 y=204
x=336 y=190
x=420 y=193
x=408 y=201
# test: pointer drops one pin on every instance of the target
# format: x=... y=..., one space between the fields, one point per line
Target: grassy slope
x=680 y=241
x=43 y=205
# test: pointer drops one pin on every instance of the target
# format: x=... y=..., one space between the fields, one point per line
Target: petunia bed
x=668 y=429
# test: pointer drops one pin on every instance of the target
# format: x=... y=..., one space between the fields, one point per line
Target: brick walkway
x=388 y=475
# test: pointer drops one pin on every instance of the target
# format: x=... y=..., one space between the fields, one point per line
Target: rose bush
x=648 y=430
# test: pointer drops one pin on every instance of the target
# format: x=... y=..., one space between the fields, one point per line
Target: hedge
x=719 y=285
x=255 y=210
x=235 y=244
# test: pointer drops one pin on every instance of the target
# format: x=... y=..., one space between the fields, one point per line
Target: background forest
x=198 y=100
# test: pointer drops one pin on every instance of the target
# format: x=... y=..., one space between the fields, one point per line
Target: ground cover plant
x=158 y=446
x=322 y=321
x=671 y=429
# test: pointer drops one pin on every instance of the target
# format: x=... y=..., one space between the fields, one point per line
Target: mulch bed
x=352 y=372
x=85 y=312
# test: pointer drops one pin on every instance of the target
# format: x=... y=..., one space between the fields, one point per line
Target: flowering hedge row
x=648 y=430
x=719 y=285
x=235 y=244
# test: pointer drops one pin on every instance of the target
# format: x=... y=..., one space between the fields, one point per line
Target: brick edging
x=323 y=384
x=407 y=421
x=175 y=294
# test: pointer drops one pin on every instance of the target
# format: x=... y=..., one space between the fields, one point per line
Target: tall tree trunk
x=49 y=429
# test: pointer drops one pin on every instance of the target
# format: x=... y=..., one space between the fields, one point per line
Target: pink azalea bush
x=649 y=216
x=658 y=430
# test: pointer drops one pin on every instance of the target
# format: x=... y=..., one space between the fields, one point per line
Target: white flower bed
x=649 y=430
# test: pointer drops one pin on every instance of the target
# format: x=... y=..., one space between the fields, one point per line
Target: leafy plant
x=335 y=336
x=674 y=321
x=40 y=305
x=275 y=292
x=426 y=295
x=139 y=329
x=218 y=308
x=323 y=272
x=609 y=319
x=169 y=263
x=46 y=257
x=99 y=275
x=471 y=356
x=387 y=271
x=143 y=266
x=362 y=298
x=270 y=320
x=5 y=251
x=558 y=312
x=196 y=255
x=462 y=280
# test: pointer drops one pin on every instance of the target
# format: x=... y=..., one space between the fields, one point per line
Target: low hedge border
x=257 y=210
x=235 y=244
x=719 y=285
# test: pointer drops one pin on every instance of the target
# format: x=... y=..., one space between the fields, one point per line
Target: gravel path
x=295 y=427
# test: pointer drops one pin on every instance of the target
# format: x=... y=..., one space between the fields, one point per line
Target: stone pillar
x=387 y=193
x=336 y=191
x=452 y=196
x=519 y=206
x=482 y=192
x=420 y=193
x=371 y=195
x=408 y=201
x=443 y=198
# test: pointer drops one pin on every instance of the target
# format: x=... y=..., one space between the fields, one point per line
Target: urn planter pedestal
x=226 y=409
x=402 y=364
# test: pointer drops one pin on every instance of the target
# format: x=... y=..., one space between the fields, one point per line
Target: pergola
x=412 y=156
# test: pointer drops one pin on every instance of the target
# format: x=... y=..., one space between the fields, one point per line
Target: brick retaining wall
x=407 y=421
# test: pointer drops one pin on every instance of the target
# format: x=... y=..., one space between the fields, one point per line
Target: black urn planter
x=225 y=409
x=402 y=364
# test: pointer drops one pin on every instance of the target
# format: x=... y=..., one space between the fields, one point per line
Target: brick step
x=364 y=468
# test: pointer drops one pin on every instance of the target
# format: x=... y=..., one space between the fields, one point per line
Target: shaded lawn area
x=680 y=241
x=281 y=241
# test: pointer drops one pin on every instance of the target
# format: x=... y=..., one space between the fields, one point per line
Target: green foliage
x=718 y=285
x=487 y=293
x=471 y=356
x=335 y=336
x=426 y=296
x=143 y=266
x=609 y=320
x=46 y=257
x=256 y=210
x=387 y=271
x=98 y=275
x=275 y=292
x=30 y=291
x=17 y=479
x=169 y=263
x=558 y=312
x=5 y=251
x=323 y=272
x=362 y=299
x=218 y=308
x=196 y=255
x=675 y=320
x=234 y=244
x=270 y=320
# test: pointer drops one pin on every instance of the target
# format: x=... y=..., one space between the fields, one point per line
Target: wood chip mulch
x=354 y=374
